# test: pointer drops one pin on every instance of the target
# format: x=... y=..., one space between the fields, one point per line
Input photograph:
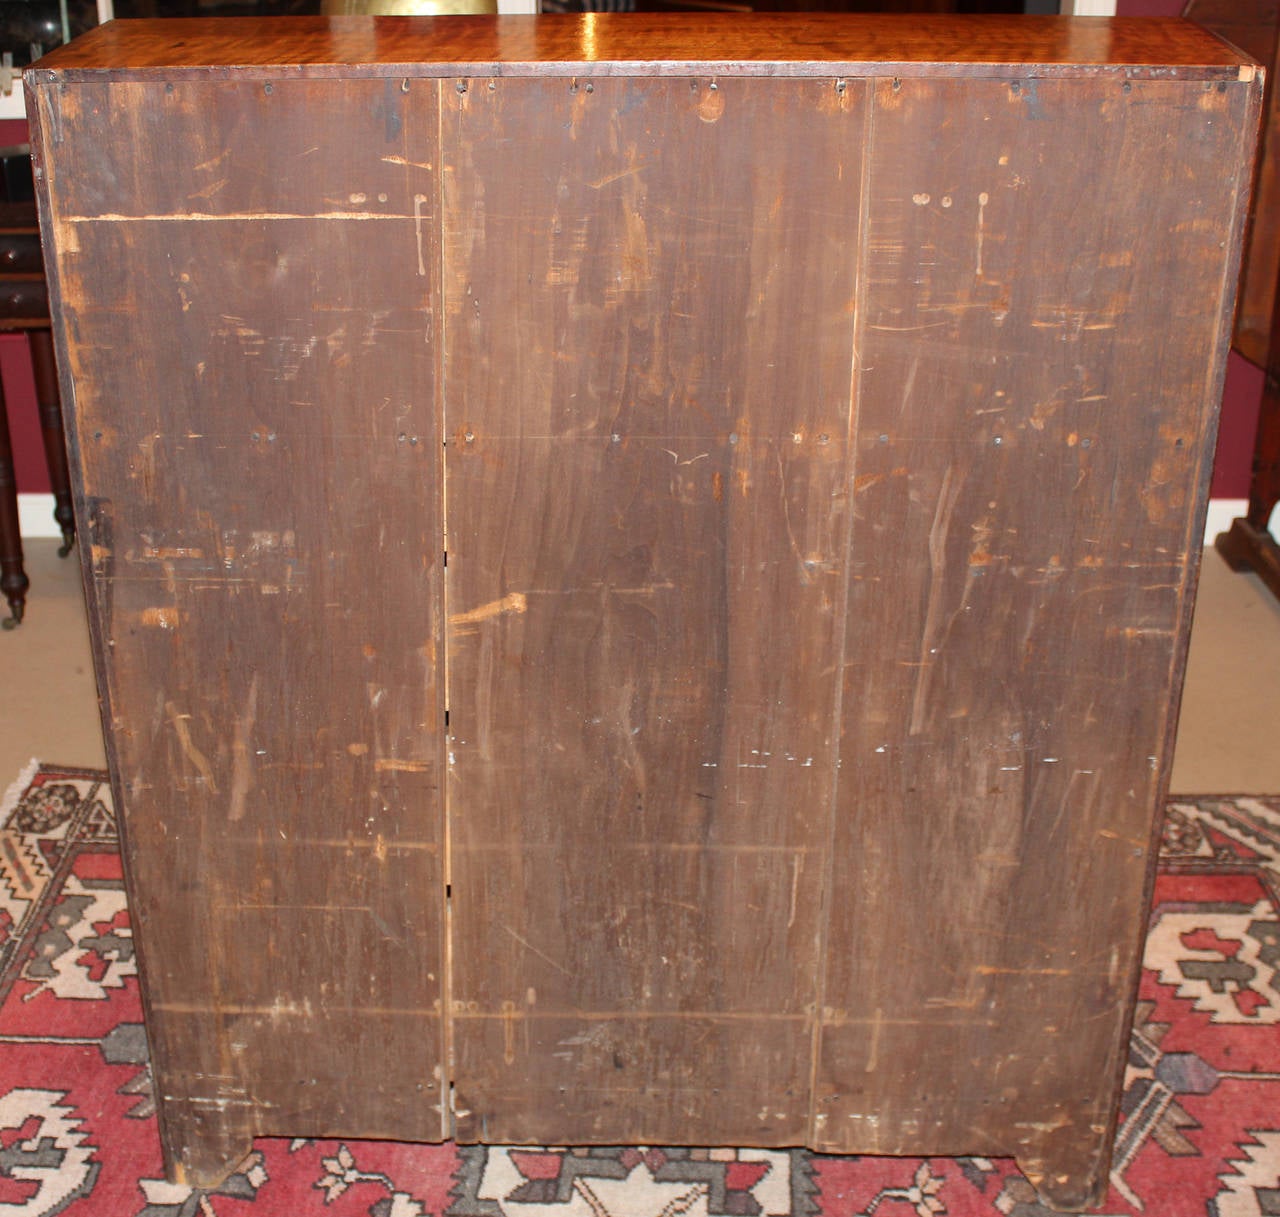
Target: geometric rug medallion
x=1199 y=1134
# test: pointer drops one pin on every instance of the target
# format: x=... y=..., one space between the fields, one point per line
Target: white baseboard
x=35 y=515
x=1221 y=513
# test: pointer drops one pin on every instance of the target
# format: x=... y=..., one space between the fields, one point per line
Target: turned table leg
x=55 y=446
x=13 y=579
x=1248 y=545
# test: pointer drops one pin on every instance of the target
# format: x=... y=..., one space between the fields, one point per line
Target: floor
x=1226 y=741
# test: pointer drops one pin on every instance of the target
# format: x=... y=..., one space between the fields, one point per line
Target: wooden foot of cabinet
x=1069 y=1168
x=202 y=1145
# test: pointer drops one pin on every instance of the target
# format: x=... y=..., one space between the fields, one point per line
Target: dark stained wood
x=48 y=400
x=644 y=475
x=13 y=576
x=1253 y=26
x=821 y=462
x=1034 y=428
x=655 y=43
x=275 y=720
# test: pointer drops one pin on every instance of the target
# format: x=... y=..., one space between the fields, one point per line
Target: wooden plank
x=651 y=44
x=647 y=373
x=1043 y=347
x=252 y=390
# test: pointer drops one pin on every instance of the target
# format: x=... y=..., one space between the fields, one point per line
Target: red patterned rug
x=1200 y=1133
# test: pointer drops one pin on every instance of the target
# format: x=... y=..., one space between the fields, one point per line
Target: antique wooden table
x=641 y=566
x=24 y=308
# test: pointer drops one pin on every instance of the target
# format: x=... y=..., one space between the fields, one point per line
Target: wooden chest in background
x=641 y=567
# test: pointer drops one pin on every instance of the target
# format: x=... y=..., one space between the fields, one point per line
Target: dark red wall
x=19 y=386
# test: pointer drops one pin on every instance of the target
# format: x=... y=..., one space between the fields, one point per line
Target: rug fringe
x=18 y=787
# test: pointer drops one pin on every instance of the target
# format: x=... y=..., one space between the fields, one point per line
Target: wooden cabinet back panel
x=638 y=605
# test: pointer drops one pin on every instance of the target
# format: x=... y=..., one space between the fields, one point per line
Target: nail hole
x=267 y=88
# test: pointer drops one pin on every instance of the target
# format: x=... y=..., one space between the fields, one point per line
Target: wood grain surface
x=1005 y=721
x=254 y=420
x=649 y=43
x=641 y=604
x=644 y=477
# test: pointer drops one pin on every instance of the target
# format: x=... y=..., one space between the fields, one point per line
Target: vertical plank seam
x=857 y=324
x=447 y=1122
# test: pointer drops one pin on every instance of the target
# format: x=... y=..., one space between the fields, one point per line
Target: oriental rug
x=1199 y=1137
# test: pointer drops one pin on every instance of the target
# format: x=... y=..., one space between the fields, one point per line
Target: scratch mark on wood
x=873 y=1052
x=402 y=160
x=614 y=177
x=908 y=329
x=512 y=602
x=192 y=753
x=216 y=161
x=947 y=496
x=983 y=200
x=509 y=1016
x=391 y=764
x=208 y=191
x=164 y=617
x=675 y=456
x=797 y=865
x=524 y=942
x=418 y=200
x=241 y=771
